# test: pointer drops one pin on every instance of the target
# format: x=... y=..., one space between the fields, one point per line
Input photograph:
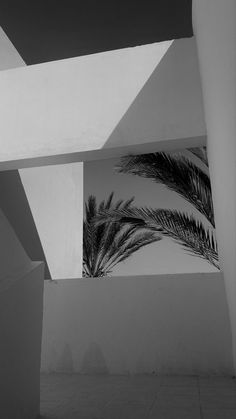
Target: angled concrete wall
x=170 y=105
x=164 y=324
x=15 y=206
x=71 y=105
x=13 y=258
x=55 y=196
x=94 y=105
x=11 y=188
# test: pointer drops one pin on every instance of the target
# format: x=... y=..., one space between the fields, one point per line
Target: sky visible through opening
x=165 y=256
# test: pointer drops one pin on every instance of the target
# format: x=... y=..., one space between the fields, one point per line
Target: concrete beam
x=99 y=105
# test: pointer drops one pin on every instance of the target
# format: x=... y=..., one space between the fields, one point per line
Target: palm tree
x=180 y=175
x=108 y=243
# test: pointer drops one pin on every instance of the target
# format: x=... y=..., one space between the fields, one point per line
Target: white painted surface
x=165 y=324
x=21 y=306
x=55 y=196
x=71 y=105
x=217 y=56
x=70 y=110
x=170 y=105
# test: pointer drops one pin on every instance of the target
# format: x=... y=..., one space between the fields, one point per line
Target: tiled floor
x=140 y=397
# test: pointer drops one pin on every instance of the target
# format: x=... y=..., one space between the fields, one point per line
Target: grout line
x=151 y=408
x=199 y=398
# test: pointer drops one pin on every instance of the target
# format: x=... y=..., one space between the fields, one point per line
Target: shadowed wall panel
x=15 y=206
x=170 y=105
x=13 y=259
x=21 y=315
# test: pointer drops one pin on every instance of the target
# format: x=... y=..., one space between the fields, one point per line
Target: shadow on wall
x=65 y=361
x=137 y=325
x=12 y=192
x=175 y=112
x=93 y=361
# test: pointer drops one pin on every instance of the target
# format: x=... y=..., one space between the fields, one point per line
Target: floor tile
x=180 y=381
x=219 y=401
x=219 y=414
x=72 y=396
x=227 y=382
x=124 y=412
x=174 y=413
x=178 y=401
x=178 y=390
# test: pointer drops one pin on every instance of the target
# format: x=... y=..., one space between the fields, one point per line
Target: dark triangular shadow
x=15 y=206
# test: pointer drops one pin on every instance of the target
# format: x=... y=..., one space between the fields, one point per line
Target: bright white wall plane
x=99 y=101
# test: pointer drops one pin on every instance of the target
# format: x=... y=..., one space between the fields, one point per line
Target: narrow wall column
x=214 y=23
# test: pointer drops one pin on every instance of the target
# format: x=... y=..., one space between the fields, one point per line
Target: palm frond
x=181 y=227
x=178 y=174
x=106 y=244
x=133 y=245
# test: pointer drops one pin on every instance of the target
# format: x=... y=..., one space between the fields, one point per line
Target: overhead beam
x=100 y=105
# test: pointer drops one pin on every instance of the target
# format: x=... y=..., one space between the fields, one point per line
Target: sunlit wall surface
x=55 y=196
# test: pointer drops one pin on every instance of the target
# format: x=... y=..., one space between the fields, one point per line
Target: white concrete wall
x=71 y=105
x=161 y=324
x=21 y=306
x=79 y=108
x=170 y=105
x=55 y=196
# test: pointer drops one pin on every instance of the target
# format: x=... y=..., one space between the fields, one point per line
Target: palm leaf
x=181 y=227
x=178 y=174
x=133 y=245
x=106 y=244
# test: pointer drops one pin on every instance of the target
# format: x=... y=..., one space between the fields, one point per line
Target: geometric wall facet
x=15 y=206
x=55 y=196
x=73 y=105
x=14 y=261
x=170 y=105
